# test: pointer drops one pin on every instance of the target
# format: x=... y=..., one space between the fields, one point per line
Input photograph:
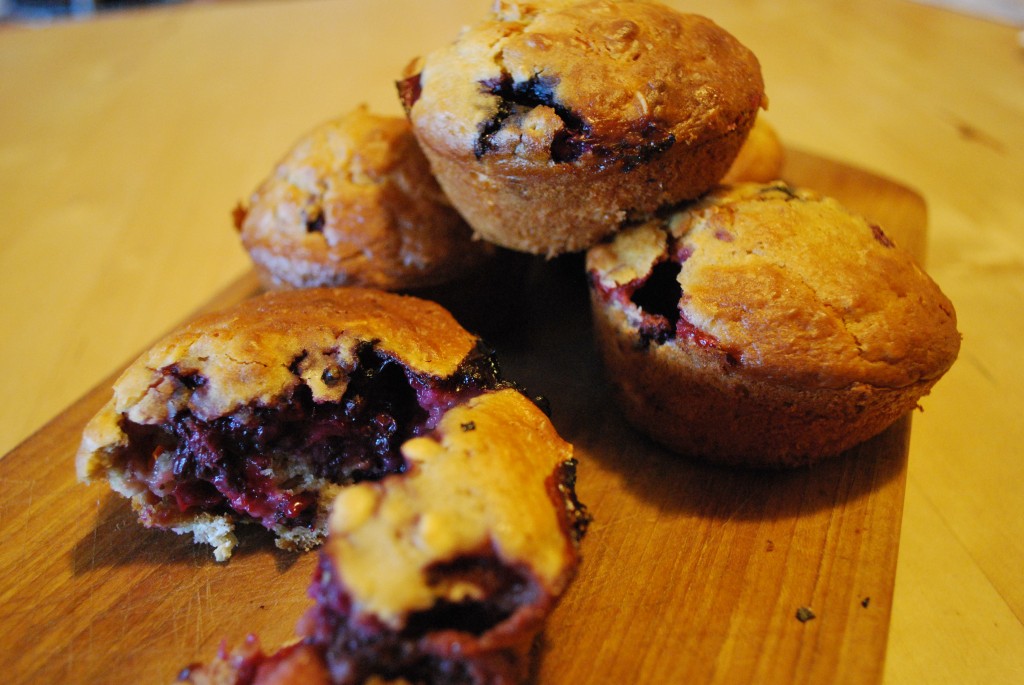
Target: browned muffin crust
x=260 y=413
x=551 y=123
x=354 y=203
x=765 y=325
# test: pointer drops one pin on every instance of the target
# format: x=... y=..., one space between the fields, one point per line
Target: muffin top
x=260 y=350
x=783 y=284
x=599 y=83
x=353 y=202
x=484 y=484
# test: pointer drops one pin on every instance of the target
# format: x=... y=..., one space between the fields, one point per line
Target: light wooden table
x=126 y=140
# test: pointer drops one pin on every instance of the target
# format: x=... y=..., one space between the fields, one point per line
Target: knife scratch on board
x=197 y=599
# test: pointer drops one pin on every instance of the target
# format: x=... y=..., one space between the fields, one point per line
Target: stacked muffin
x=756 y=325
x=549 y=126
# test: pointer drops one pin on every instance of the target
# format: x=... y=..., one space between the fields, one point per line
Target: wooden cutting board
x=690 y=573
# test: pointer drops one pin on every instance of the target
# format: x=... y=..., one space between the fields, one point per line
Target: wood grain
x=691 y=573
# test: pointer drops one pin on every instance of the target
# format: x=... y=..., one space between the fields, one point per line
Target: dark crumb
x=238 y=215
x=880 y=236
x=804 y=614
x=315 y=222
x=864 y=602
x=769 y=546
x=409 y=91
x=975 y=135
x=468 y=426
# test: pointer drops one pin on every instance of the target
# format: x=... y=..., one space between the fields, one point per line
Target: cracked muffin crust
x=262 y=412
x=354 y=203
x=765 y=325
x=443 y=573
x=551 y=123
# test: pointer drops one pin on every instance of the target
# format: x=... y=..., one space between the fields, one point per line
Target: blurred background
x=1009 y=11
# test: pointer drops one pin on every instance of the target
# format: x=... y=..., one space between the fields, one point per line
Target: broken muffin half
x=262 y=412
x=443 y=573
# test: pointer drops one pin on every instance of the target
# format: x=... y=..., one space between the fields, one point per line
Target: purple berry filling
x=432 y=645
x=238 y=463
x=569 y=143
x=645 y=141
x=356 y=648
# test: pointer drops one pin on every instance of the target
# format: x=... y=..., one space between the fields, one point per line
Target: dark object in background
x=33 y=10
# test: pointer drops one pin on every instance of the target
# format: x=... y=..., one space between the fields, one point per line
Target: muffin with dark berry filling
x=446 y=573
x=353 y=203
x=262 y=412
x=550 y=124
x=767 y=326
x=443 y=573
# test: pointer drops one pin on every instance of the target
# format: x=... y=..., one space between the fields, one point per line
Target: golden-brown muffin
x=767 y=326
x=760 y=159
x=354 y=203
x=551 y=123
x=261 y=412
x=444 y=572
